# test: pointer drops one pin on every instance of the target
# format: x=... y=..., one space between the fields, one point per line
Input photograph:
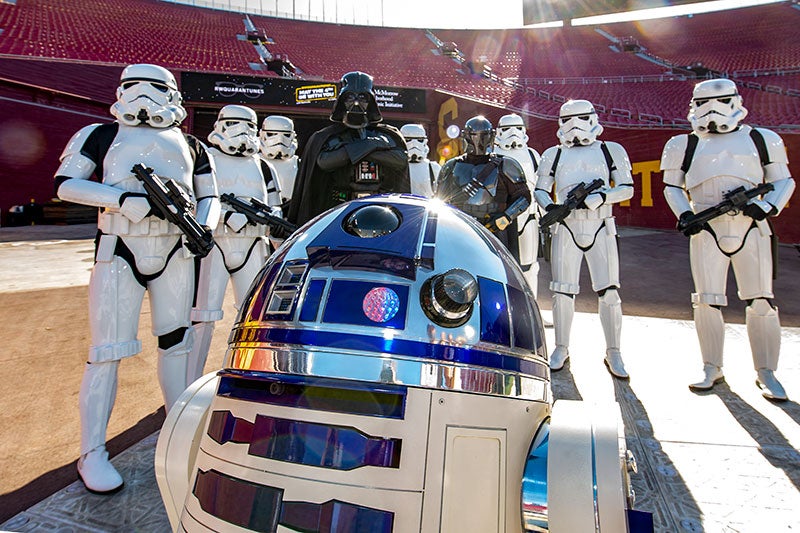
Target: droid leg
x=764 y=331
x=609 y=307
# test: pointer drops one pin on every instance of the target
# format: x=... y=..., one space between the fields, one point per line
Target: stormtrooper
x=700 y=168
x=278 y=146
x=423 y=171
x=356 y=157
x=511 y=140
x=240 y=249
x=136 y=251
x=489 y=187
x=587 y=232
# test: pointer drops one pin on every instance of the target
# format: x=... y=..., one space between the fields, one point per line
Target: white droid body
x=700 y=169
x=241 y=249
x=136 y=250
x=388 y=373
x=588 y=231
x=511 y=140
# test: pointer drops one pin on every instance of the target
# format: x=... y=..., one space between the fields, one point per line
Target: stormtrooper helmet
x=511 y=132
x=416 y=142
x=578 y=124
x=278 y=138
x=235 y=131
x=716 y=107
x=478 y=135
x=148 y=94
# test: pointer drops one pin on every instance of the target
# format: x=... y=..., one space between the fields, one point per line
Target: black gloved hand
x=686 y=227
x=755 y=212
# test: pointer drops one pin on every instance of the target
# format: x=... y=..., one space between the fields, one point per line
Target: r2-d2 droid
x=388 y=373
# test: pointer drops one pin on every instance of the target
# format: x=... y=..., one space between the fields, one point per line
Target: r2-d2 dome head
x=511 y=133
x=716 y=107
x=416 y=142
x=235 y=131
x=356 y=105
x=148 y=94
x=278 y=138
x=478 y=134
x=578 y=123
x=394 y=288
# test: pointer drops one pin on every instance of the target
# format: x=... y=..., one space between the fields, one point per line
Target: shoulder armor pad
x=674 y=152
x=77 y=141
x=619 y=156
x=546 y=162
x=512 y=169
x=775 y=147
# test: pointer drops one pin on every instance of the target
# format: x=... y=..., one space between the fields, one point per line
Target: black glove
x=551 y=207
x=755 y=212
x=686 y=227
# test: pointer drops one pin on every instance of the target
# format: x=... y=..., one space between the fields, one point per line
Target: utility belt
x=482 y=210
x=112 y=222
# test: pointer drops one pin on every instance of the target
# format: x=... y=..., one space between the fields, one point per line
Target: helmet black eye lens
x=701 y=102
x=128 y=84
x=584 y=117
x=725 y=100
x=160 y=87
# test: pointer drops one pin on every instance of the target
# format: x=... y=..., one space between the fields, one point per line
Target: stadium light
x=671 y=11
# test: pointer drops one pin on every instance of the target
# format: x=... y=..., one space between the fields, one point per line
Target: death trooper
x=699 y=168
x=136 y=251
x=489 y=187
x=587 y=232
x=240 y=249
x=423 y=171
x=511 y=140
x=278 y=146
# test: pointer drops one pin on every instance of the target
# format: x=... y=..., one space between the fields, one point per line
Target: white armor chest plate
x=420 y=174
x=240 y=176
x=285 y=173
x=523 y=157
x=164 y=150
x=579 y=164
x=728 y=155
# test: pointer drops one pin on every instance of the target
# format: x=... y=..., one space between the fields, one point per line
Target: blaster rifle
x=174 y=205
x=574 y=198
x=734 y=201
x=257 y=212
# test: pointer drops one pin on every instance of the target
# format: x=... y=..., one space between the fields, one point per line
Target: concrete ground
x=724 y=461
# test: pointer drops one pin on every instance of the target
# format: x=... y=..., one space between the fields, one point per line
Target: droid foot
x=771 y=388
x=615 y=365
x=712 y=376
x=559 y=357
x=97 y=473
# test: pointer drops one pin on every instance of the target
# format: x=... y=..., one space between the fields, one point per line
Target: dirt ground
x=44 y=336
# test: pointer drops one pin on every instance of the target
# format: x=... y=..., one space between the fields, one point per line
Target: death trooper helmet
x=416 y=142
x=235 y=131
x=148 y=94
x=278 y=138
x=511 y=132
x=716 y=107
x=356 y=105
x=578 y=124
x=478 y=135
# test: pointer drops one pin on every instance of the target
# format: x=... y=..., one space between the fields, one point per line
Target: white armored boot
x=98 y=389
x=203 y=334
x=173 y=369
x=712 y=374
x=764 y=332
x=711 y=334
x=609 y=307
x=563 y=312
x=771 y=388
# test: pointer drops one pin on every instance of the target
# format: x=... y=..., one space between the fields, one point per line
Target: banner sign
x=252 y=90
